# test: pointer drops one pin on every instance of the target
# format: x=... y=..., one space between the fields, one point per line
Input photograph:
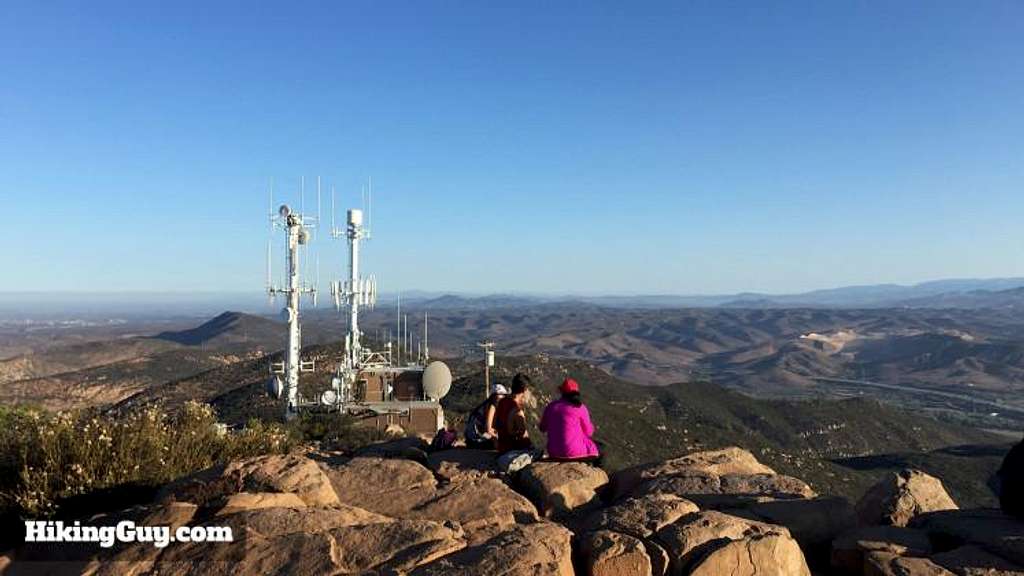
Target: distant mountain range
x=954 y=293
x=951 y=293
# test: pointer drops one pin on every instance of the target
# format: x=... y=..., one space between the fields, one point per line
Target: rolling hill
x=639 y=423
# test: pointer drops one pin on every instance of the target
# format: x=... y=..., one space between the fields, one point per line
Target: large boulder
x=730 y=460
x=641 y=516
x=607 y=553
x=688 y=537
x=756 y=555
x=404 y=489
x=975 y=561
x=285 y=473
x=886 y=564
x=900 y=496
x=383 y=485
x=849 y=549
x=523 y=550
x=989 y=528
x=483 y=507
x=291 y=473
x=560 y=488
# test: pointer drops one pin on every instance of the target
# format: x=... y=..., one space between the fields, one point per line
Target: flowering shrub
x=46 y=456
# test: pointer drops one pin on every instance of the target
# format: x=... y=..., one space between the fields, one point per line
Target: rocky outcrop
x=900 y=496
x=703 y=514
x=560 y=488
x=946 y=541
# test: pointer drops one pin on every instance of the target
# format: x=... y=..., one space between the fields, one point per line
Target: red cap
x=569 y=385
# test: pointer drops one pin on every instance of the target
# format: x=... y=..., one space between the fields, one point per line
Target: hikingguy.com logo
x=125 y=531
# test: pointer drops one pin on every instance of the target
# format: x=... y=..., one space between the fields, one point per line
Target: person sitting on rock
x=481 y=430
x=566 y=421
x=511 y=417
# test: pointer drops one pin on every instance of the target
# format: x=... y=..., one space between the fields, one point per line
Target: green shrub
x=46 y=456
x=334 y=431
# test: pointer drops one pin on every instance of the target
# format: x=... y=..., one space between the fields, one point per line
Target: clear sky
x=619 y=147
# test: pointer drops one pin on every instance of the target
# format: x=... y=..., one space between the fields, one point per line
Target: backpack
x=444 y=439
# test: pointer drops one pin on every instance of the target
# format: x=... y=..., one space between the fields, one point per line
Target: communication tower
x=297 y=229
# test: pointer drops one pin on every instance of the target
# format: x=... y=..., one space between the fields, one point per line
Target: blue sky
x=546 y=147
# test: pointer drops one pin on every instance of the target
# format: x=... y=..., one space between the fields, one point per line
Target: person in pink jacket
x=566 y=422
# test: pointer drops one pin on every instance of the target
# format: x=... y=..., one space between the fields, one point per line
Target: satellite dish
x=335 y=382
x=437 y=380
x=274 y=387
x=286 y=314
x=284 y=210
x=329 y=398
x=303 y=236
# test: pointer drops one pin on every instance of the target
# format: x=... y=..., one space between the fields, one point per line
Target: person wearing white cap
x=480 y=426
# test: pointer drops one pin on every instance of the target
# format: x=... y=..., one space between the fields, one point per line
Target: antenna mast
x=296 y=228
x=356 y=291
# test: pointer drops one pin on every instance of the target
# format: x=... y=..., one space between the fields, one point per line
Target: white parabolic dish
x=437 y=380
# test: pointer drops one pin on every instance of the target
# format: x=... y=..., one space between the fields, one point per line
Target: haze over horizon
x=598 y=149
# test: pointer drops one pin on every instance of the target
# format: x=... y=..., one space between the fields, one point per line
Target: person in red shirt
x=511 y=417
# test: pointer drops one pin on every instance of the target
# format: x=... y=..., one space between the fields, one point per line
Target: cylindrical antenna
x=302 y=194
x=398 y=329
x=426 y=342
x=369 y=207
x=318 y=202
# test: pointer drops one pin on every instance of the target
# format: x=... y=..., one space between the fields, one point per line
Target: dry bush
x=45 y=456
